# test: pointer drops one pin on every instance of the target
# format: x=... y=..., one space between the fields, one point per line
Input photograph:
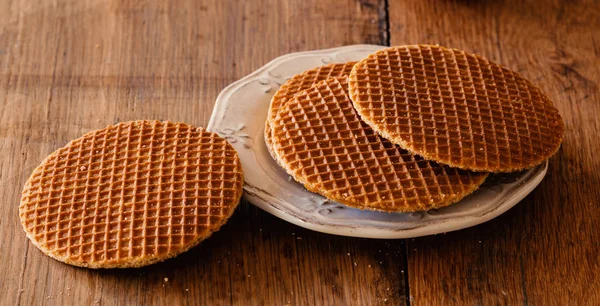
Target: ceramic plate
x=239 y=116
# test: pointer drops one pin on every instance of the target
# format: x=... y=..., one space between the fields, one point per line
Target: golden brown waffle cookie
x=131 y=194
x=296 y=84
x=323 y=143
x=455 y=108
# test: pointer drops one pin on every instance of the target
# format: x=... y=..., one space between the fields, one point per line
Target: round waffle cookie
x=455 y=108
x=296 y=84
x=131 y=194
x=323 y=143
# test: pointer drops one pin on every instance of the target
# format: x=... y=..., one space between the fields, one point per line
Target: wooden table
x=72 y=66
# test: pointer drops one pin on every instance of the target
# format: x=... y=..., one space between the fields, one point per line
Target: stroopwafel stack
x=394 y=136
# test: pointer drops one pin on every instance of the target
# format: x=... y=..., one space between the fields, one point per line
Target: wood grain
x=545 y=250
x=68 y=67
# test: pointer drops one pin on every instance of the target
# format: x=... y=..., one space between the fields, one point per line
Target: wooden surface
x=68 y=67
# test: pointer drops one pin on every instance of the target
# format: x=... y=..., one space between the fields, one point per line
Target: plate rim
x=227 y=91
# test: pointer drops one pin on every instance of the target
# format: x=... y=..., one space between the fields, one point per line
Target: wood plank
x=545 y=250
x=68 y=67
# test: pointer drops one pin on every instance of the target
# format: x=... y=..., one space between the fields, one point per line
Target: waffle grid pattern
x=131 y=194
x=323 y=143
x=298 y=83
x=456 y=108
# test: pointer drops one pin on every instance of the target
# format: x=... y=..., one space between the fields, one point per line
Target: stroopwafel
x=131 y=194
x=296 y=84
x=455 y=108
x=322 y=142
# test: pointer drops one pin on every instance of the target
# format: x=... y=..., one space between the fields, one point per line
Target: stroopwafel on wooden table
x=296 y=84
x=455 y=108
x=131 y=194
x=322 y=142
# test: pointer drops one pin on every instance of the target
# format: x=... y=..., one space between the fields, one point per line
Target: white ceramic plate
x=239 y=116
